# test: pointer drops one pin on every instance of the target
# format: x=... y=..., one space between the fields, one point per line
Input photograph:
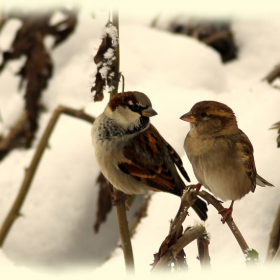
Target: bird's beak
x=149 y=112
x=188 y=117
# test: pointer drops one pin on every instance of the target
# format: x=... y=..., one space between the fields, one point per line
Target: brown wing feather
x=246 y=151
x=149 y=161
x=177 y=160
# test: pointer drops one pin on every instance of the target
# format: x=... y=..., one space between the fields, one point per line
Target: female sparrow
x=220 y=153
x=131 y=153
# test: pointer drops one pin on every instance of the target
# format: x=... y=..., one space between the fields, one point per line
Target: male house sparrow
x=131 y=153
x=220 y=153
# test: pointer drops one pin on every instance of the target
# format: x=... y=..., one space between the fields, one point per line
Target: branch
x=120 y=207
x=171 y=248
x=203 y=250
x=251 y=254
x=273 y=74
x=14 y=212
x=274 y=242
x=189 y=235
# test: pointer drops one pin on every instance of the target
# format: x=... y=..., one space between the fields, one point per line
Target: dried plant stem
x=203 y=250
x=272 y=75
x=233 y=227
x=124 y=234
x=120 y=207
x=31 y=170
x=189 y=235
x=171 y=249
x=274 y=242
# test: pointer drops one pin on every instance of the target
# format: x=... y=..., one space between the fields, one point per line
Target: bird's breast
x=218 y=167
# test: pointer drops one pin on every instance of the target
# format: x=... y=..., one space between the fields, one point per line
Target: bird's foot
x=197 y=187
x=227 y=213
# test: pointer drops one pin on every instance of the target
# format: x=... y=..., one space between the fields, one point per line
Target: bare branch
x=171 y=248
x=31 y=170
x=250 y=254
x=273 y=74
x=274 y=241
x=240 y=239
x=203 y=250
x=189 y=235
x=120 y=207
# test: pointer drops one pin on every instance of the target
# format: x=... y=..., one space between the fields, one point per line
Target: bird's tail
x=200 y=207
x=262 y=182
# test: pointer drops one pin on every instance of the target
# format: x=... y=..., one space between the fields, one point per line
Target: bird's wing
x=246 y=152
x=150 y=161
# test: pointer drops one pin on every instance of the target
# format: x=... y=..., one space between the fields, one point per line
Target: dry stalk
x=273 y=74
x=203 y=250
x=251 y=254
x=189 y=235
x=273 y=251
x=120 y=207
x=14 y=212
x=171 y=249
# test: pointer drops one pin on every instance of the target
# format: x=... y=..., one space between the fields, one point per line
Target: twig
x=171 y=248
x=273 y=74
x=203 y=250
x=233 y=227
x=124 y=234
x=31 y=170
x=274 y=241
x=187 y=200
x=120 y=207
x=189 y=235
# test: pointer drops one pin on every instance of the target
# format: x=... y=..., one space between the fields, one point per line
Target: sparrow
x=221 y=154
x=131 y=153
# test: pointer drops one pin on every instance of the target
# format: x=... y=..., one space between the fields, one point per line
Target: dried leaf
x=104 y=202
x=105 y=59
x=38 y=68
x=62 y=30
x=98 y=87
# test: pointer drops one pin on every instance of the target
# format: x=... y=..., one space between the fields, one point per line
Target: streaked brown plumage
x=132 y=154
x=220 y=153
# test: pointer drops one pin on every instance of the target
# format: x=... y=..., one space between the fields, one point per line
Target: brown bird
x=132 y=154
x=220 y=153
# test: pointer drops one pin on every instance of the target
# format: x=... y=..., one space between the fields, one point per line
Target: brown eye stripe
x=122 y=99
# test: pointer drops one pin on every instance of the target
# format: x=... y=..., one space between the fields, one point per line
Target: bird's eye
x=203 y=115
x=134 y=107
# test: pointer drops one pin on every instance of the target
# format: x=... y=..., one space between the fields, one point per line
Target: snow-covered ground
x=55 y=232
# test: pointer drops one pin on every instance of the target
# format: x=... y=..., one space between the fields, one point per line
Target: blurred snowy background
x=55 y=233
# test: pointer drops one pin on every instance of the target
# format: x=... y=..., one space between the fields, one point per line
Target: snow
x=112 y=32
x=55 y=235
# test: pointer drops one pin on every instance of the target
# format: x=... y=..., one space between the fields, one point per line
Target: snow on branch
x=106 y=61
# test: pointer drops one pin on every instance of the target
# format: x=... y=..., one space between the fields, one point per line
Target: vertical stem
x=274 y=241
x=203 y=251
x=120 y=207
